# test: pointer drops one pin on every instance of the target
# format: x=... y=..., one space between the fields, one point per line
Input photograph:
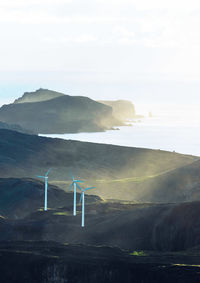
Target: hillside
x=20 y=197
x=24 y=155
x=157 y=227
x=180 y=185
x=122 y=109
x=49 y=112
x=15 y=127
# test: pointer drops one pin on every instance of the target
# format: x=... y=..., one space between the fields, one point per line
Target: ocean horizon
x=177 y=133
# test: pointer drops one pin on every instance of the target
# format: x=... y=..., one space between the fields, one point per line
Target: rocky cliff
x=122 y=109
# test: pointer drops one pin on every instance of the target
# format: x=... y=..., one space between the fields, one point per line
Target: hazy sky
x=144 y=50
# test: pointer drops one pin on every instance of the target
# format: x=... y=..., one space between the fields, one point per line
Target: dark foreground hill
x=49 y=112
x=166 y=227
x=44 y=262
x=158 y=227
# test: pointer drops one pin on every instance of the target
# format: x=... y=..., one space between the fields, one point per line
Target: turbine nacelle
x=43 y=177
x=46 y=175
x=74 y=182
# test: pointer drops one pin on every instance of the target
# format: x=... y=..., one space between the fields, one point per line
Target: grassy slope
x=86 y=159
x=117 y=172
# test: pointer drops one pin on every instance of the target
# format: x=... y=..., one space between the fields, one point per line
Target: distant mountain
x=20 y=197
x=38 y=95
x=117 y=172
x=55 y=113
x=122 y=109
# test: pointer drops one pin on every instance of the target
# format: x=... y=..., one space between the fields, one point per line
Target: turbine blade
x=89 y=189
x=72 y=176
x=41 y=176
x=48 y=172
x=70 y=187
x=79 y=181
x=79 y=187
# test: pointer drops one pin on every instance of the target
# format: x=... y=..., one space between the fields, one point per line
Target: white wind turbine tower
x=82 y=198
x=46 y=187
x=74 y=183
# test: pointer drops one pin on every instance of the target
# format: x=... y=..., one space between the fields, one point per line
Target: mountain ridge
x=39 y=95
x=62 y=114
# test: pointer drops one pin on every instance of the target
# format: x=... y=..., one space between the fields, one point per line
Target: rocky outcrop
x=122 y=109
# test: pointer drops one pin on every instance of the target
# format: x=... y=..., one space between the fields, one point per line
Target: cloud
x=19 y=3
x=77 y=40
x=59 y=29
x=158 y=24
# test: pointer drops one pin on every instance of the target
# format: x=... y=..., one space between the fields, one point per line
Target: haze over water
x=171 y=129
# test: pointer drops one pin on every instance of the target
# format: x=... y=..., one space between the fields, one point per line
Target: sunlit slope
x=62 y=114
x=26 y=156
x=178 y=185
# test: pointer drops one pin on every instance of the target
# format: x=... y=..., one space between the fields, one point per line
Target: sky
x=146 y=51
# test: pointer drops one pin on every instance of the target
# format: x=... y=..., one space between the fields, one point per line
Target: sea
x=170 y=128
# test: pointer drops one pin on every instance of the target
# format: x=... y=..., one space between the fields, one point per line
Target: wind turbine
x=46 y=187
x=82 y=198
x=74 y=183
